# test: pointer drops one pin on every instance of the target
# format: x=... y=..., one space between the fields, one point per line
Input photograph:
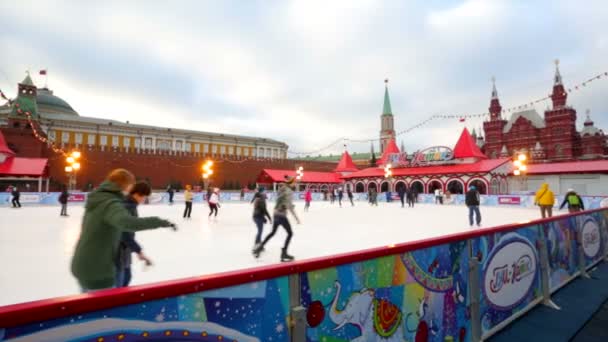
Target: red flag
x=461 y=119
x=43 y=72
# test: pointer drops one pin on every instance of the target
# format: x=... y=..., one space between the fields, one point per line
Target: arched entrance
x=385 y=186
x=372 y=186
x=324 y=187
x=433 y=185
x=417 y=187
x=313 y=188
x=400 y=186
x=480 y=185
x=504 y=188
x=359 y=187
x=455 y=186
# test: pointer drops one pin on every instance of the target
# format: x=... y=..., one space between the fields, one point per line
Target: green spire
x=386 y=108
x=27 y=80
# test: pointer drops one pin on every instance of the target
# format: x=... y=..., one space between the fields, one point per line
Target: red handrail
x=31 y=312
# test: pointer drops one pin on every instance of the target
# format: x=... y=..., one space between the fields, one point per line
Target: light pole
x=299 y=177
x=207 y=172
x=72 y=167
x=521 y=168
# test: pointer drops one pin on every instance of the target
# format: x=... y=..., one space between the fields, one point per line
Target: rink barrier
x=526 y=201
x=459 y=287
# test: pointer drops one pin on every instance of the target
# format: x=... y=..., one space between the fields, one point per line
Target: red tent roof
x=4 y=147
x=466 y=147
x=14 y=166
x=482 y=166
x=590 y=166
x=391 y=148
x=346 y=164
x=276 y=176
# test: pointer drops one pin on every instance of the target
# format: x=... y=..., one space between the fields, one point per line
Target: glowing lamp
x=521 y=157
x=209 y=172
x=210 y=163
x=76 y=166
x=68 y=169
x=70 y=160
x=523 y=168
x=517 y=163
x=516 y=172
x=205 y=176
x=76 y=154
x=300 y=168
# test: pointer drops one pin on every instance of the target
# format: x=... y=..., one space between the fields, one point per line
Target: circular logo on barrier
x=590 y=238
x=509 y=272
x=604 y=203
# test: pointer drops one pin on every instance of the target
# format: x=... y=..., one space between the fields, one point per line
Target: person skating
x=307 y=199
x=401 y=192
x=472 y=201
x=332 y=196
x=16 y=195
x=260 y=214
x=411 y=197
x=171 y=192
x=63 y=199
x=284 y=204
x=389 y=197
x=214 y=202
x=574 y=201
x=188 y=196
x=105 y=218
x=128 y=244
x=340 y=196
x=545 y=199
x=349 y=193
x=374 y=197
x=369 y=196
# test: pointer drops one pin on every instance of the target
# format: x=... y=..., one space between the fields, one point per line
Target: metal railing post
x=474 y=294
x=297 y=313
x=581 y=252
x=545 y=269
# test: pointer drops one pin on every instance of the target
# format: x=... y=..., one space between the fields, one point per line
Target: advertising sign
x=432 y=155
x=590 y=238
x=77 y=198
x=29 y=198
x=513 y=200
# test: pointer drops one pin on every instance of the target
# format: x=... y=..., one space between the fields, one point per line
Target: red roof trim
x=20 y=314
x=390 y=148
x=587 y=166
x=15 y=166
x=346 y=164
x=466 y=147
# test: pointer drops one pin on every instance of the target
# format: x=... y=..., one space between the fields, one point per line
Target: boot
x=258 y=250
x=285 y=256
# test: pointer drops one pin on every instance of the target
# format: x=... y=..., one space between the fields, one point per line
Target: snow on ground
x=36 y=244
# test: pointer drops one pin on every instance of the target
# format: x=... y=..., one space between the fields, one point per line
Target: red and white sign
x=514 y=200
x=76 y=198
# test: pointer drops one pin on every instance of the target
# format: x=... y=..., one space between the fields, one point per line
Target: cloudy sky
x=305 y=72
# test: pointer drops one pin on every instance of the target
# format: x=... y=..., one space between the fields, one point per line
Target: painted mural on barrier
x=591 y=237
x=509 y=275
x=249 y=312
x=562 y=251
x=418 y=296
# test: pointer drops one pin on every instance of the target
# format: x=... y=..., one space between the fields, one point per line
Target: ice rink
x=36 y=244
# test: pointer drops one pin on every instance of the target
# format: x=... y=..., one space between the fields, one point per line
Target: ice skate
x=286 y=257
x=258 y=251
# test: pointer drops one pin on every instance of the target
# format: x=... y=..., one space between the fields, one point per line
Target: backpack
x=573 y=200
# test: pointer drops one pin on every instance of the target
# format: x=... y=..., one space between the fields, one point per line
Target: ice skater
x=284 y=204
x=374 y=197
x=349 y=193
x=260 y=216
x=128 y=244
x=307 y=199
x=574 y=201
x=214 y=202
x=188 y=196
x=411 y=195
x=63 y=199
x=171 y=192
x=472 y=202
x=16 y=194
x=105 y=218
x=340 y=196
x=545 y=199
x=401 y=192
x=332 y=196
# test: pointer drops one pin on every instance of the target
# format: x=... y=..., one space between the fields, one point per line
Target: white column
x=47 y=185
x=40 y=184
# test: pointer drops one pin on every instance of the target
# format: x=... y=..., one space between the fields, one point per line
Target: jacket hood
x=544 y=186
x=106 y=191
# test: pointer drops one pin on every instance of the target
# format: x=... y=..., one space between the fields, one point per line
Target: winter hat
x=261 y=189
x=473 y=187
x=570 y=190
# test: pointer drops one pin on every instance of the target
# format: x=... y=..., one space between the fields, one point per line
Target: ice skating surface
x=36 y=244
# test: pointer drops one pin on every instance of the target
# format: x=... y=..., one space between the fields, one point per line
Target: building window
x=65 y=137
x=163 y=145
x=238 y=151
x=52 y=135
x=91 y=139
x=103 y=140
x=115 y=141
x=230 y=150
x=222 y=149
x=205 y=148
x=245 y=151
x=268 y=153
x=197 y=148
x=137 y=143
x=178 y=145
x=559 y=151
x=188 y=147
x=149 y=142
x=78 y=138
x=126 y=142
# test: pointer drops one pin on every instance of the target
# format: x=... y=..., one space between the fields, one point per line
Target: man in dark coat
x=16 y=194
x=63 y=199
x=574 y=201
x=472 y=201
